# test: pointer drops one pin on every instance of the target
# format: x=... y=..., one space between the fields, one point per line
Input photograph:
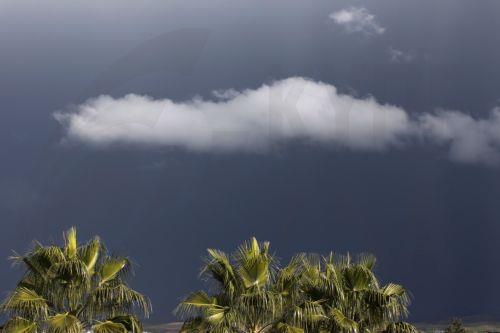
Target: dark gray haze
x=432 y=222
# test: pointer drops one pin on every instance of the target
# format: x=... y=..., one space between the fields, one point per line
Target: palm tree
x=351 y=297
x=74 y=288
x=250 y=294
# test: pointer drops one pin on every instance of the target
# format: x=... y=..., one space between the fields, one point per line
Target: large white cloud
x=357 y=19
x=295 y=108
x=287 y=110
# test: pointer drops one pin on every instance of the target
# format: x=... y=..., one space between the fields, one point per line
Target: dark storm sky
x=433 y=223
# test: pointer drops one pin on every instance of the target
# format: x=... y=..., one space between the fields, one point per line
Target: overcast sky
x=170 y=126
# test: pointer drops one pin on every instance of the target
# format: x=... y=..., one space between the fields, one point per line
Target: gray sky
x=164 y=177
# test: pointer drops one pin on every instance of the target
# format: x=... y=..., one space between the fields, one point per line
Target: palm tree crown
x=244 y=297
x=351 y=296
x=252 y=294
x=74 y=288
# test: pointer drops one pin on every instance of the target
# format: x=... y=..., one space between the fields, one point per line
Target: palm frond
x=71 y=245
x=89 y=254
x=343 y=321
x=64 y=323
x=131 y=323
x=20 y=325
x=116 y=299
x=286 y=328
x=109 y=327
x=255 y=272
x=194 y=304
x=27 y=303
x=111 y=268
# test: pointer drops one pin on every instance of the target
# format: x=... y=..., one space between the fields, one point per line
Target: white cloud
x=357 y=19
x=283 y=111
x=470 y=140
x=250 y=120
x=399 y=56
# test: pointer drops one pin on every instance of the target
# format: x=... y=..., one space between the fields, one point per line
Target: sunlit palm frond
x=20 y=325
x=64 y=323
x=71 y=245
x=309 y=313
x=255 y=272
x=26 y=303
x=286 y=328
x=41 y=259
x=109 y=327
x=89 y=254
x=392 y=289
x=219 y=268
x=117 y=298
x=343 y=321
x=111 y=268
x=367 y=260
x=194 y=303
x=71 y=271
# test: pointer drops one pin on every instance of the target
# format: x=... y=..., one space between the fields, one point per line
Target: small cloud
x=357 y=19
x=399 y=56
x=470 y=140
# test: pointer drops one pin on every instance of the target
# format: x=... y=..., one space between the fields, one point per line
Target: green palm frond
x=357 y=278
x=20 y=325
x=41 y=259
x=64 y=323
x=71 y=271
x=286 y=328
x=25 y=302
x=195 y=303
x=367 y=260
x=115 y=298
x=71 y=245
x=393 y=289
x=89 y=254
x=215 y=315
x=131 y=323
x=109 y=327
x=308 y=313
x=111 y=268
x=200 y=299
x=219 y=268
x=255 y=273
x=343 y=321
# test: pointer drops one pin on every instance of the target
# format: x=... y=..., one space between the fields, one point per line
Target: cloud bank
x=357 y=19
x=294 y=109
